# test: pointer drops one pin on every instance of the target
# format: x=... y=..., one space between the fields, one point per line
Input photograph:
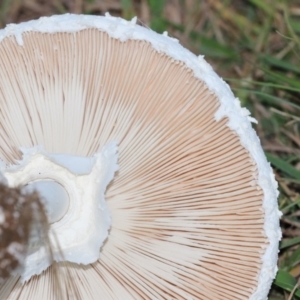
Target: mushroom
x=190 y=196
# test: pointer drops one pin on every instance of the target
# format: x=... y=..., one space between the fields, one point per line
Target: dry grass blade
x=294 y=290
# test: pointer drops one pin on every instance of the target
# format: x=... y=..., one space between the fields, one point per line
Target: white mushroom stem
x=54 y=197
x=72 y=189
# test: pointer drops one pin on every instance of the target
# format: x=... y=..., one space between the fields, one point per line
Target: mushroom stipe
x=191 y=200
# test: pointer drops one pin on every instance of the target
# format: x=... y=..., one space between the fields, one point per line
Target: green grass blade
x=283 y=166
x=263 y=84
x=289 y=242
x=286 y=281
x=280 y=63
x=270 y=98
x=294 y=259
x=158 y=22
x=212 y=48
x=288 y=208
x=278 y=77
x=269 y=9
x=127 y=9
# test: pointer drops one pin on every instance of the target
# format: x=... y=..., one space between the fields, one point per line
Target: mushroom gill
x=187 y=203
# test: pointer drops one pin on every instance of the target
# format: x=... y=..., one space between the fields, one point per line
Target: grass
x=255 y=46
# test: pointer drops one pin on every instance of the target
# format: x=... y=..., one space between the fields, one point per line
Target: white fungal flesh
x=194 y=204
x=81 y=225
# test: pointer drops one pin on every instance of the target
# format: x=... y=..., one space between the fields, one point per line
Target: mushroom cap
x=194 y=203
